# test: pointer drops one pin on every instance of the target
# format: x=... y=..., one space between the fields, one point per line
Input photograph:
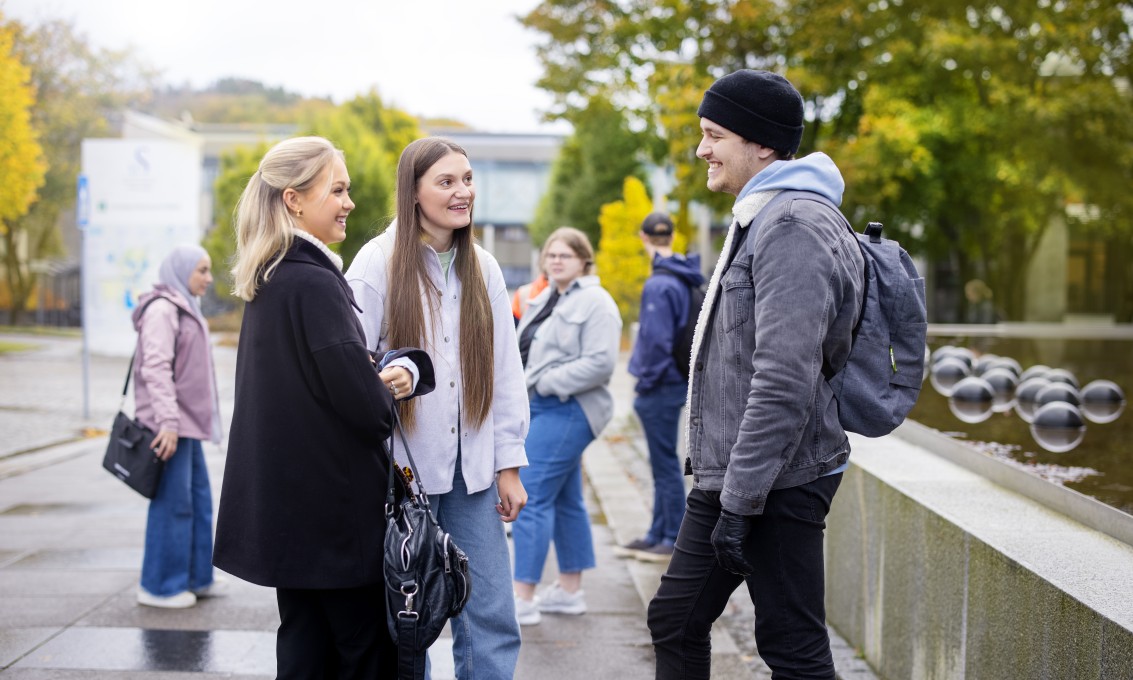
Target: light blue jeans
x=555 y=507
x=178 y=553
x=485 y=636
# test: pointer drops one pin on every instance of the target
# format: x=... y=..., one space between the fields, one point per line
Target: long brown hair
x=407 y=273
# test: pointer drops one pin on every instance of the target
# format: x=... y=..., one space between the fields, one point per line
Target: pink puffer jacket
x=174 y=383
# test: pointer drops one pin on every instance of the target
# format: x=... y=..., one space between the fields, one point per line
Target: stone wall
x=934 y=572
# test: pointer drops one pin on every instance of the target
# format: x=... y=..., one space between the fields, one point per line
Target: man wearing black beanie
x=765 y=448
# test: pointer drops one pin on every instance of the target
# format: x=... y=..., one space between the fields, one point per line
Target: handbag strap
x=413 y=477
x=410 y=662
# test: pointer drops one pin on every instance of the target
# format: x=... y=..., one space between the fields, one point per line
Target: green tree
x=236 y=168
x=75 y=88
x=372 y=136
x=21 y=168
x=621 y=260
x=234 y=100
x=372 y=177
x=968 y=128
x=589 y=171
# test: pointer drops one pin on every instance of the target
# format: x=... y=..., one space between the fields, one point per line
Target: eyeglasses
x=560 y=256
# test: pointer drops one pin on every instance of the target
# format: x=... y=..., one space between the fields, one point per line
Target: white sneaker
x=182 y=600
x=527 y=611
x=217 y=588
x=555 y=600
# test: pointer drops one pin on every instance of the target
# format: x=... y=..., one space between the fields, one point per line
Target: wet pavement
x=71 y=548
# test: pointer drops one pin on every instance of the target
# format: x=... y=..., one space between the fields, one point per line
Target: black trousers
x=334 y=634
x=787 y=586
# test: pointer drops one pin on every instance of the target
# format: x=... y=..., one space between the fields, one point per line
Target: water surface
x=1101 y=466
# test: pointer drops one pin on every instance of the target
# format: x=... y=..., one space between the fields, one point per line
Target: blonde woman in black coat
x=301 y=506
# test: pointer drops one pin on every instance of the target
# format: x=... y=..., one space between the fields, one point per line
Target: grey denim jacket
x=761 y=415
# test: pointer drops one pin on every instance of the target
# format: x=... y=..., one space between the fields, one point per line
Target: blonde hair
x=263 y=224
x=407 y=275
x=577 y=241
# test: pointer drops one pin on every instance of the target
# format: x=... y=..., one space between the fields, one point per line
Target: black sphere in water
x=1036 y=371
x=1003 y=383
x=1102 y=401
x=1058 y=427
x=946 y=373
x=1058 y=391
x=972 y=400
x=1063 y=376
x=1026 y=397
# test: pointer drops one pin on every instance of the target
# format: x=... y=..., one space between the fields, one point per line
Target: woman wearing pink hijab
x=175 y=395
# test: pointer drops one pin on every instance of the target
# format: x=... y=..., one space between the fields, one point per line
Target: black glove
x=728 y=540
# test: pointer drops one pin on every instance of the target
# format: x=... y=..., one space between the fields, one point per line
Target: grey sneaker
x=527 y=611
x=655 y=553
x=630 y=549
x=555 y=600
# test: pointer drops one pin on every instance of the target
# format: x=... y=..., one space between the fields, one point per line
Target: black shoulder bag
x=128 y=455
x=427 y=577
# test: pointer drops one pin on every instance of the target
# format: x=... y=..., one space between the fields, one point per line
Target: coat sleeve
x=340 y=361
x=511 y=412
x=157 y=340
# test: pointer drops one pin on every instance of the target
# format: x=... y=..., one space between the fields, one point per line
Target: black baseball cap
x=657 y=224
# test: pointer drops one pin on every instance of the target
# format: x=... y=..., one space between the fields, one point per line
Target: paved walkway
x=71 y=546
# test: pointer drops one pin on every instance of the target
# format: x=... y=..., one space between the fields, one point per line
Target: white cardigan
x=498 y=443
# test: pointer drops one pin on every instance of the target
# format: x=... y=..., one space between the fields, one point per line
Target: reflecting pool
x=1014 y=398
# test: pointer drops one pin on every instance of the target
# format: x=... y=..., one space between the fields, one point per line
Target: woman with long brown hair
x=425 y=283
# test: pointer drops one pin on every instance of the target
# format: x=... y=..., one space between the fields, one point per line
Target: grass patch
x=8 y=347
x=66 y=332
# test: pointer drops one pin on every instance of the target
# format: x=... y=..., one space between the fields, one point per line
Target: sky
x=471 y=60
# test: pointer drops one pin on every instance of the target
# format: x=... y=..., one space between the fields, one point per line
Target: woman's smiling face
x=445 y=194
x=327 y=204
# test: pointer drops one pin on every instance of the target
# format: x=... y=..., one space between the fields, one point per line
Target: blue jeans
x=485 y=636
x=178 y=554
x=553 y=479
x=787 y=587
x=660 y=412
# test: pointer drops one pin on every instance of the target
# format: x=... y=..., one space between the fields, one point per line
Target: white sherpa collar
x=331 y=255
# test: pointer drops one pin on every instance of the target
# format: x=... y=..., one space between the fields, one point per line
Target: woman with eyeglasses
x=569 y=338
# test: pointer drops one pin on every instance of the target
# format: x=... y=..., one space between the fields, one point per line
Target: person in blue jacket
x=661 y=387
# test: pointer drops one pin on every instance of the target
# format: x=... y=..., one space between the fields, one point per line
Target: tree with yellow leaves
x=621 y=259
x=21 y=160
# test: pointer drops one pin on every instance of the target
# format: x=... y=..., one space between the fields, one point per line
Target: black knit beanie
x=760 y=106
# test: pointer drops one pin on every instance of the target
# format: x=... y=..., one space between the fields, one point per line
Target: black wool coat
x=301 y=505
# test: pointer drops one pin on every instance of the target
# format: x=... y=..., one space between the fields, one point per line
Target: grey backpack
x=881 y=380
x=882 y=377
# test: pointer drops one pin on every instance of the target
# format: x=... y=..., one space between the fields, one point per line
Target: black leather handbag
x=128 y=454
x=129 y=457
x=427 y=577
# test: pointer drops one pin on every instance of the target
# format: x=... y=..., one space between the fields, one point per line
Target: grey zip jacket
x=783 y=301
x=574 y=352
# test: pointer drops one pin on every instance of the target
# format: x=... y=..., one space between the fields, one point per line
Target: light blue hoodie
x=815 y=172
